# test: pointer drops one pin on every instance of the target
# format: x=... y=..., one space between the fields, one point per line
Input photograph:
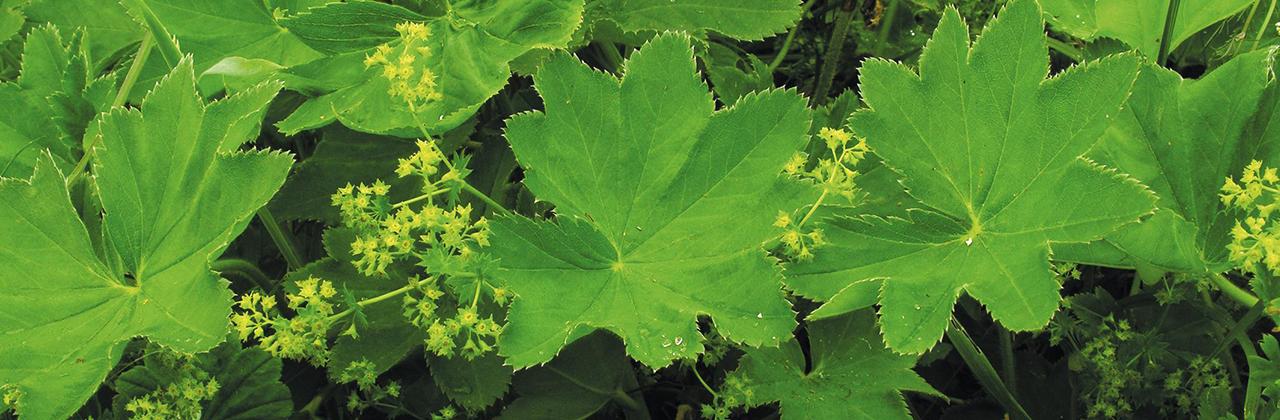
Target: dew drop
x=968 y=241
x=759 y=315
x=679 y=341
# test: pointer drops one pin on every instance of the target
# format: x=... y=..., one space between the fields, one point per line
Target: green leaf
x=1183 y=138
x=110 y=28
x=50 y=103
x=342 y=156
x=580 y=382
x=214 y=30
x=992 y=151
x=348 y=27
x=473 y=384
x=172 y=200
x=741 y=19
x=471 y=49
x=650 y=183
x=390 y=337
x=1139 y=23
x=733 y=76
x=248 y=379
x=853 y=374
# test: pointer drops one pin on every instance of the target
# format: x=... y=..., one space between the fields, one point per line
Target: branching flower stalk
x=835 y=176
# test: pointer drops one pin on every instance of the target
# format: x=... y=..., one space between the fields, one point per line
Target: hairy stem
x=831 y=59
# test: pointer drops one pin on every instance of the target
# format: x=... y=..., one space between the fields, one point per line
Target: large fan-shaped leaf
x=665 y=204
x=174 y=193
x=992 y=150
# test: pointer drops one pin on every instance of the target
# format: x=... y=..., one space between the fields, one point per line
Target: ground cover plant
x=551 y=209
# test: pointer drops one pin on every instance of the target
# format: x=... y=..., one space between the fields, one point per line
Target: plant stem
x=983 y=371
x=694 y=368
x=886 y=22
x=782 y=52
x=1066 y=49
x=813 y=209
x=1265 y=25
x=1008 y=365
x=1166 y=43
x=1234 y=292
x=282 y=240
x=130 y=79
x=466 y=186
x=791 y=36
x=245 y=269
x=168 y=48
x=418 y=198
x=844 y=17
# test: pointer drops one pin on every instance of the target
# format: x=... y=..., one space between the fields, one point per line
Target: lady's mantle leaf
x=853 y=375
x=174 y=194
x=992 y=151
x=589 y=374
x=1182 y=138
x=740 y=19
x=666 y=204
x=471 y=46
x=1139 y=23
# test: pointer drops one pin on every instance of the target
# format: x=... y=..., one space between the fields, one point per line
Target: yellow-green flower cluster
x=404 y=66
x=10 y=395
x=833 y=173
x=424 y=162
x=477 y=335
x=795 y=242
x=734 y=392
x=303 y=337
x=362 y=206
x=1255 y=242
x=368 y=392
x=421 y=303
x=181 y=399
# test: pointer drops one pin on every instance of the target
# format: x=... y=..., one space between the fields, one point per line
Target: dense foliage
x=548 y=209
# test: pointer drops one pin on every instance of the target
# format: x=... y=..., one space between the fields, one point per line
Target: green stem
x=418 y=198
x=130 y=79
x=791 y=36
x=282 y=240
x=694 y=368
x=830 y=59
x=782 y=52
x=983 y=371
x=466 y=186
x=245 y=269
x=1234 y=292
x=886 y=22
x=1166 y=43
x=813 y=209
x=1265 y=25
x=385 y=296
x=164 y=40
x=1008 y=365
x=1066 y=49
x=1253 y=391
